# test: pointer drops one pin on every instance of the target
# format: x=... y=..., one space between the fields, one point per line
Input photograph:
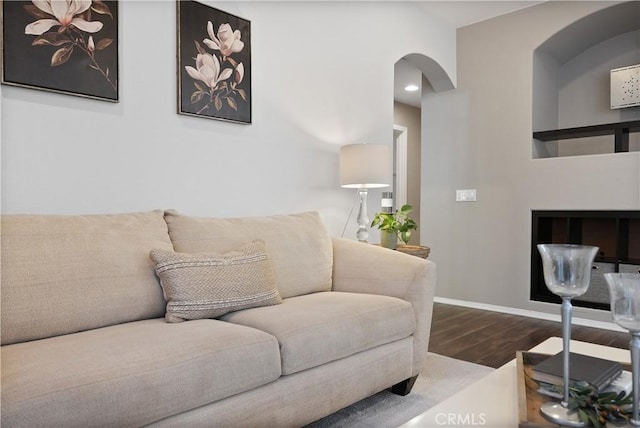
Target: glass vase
x=567 y=273
x=624 y=292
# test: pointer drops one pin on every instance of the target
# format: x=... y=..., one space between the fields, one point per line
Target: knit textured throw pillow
x=210 y=285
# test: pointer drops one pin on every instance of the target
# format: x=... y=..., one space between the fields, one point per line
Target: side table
x=414 y=250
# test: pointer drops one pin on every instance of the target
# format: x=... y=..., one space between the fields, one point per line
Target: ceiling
x=457 y=14
x=461 y=13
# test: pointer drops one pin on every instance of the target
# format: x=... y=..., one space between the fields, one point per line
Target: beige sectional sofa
x=85 y=341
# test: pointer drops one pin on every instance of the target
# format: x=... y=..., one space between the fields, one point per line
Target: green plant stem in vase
x=398 y=224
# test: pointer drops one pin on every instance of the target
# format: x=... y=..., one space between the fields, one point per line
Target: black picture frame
x=76 y=57
x=214 y=63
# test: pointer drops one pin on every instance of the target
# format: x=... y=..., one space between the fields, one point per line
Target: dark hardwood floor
x=492 y=338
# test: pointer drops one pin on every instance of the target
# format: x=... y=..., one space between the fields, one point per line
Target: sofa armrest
x=364 y=268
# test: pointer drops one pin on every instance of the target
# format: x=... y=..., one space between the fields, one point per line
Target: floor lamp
x=363 y=167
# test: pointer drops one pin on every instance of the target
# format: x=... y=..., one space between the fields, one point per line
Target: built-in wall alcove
x=615 y=233
x=571 y=86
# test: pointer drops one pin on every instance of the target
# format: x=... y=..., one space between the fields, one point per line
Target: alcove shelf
x=620 y=130
x=615 y=233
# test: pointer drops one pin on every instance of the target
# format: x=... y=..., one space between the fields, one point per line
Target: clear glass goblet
x=567 y=273
x=624 y=292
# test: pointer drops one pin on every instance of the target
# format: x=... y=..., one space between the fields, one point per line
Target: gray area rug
x=445 y=377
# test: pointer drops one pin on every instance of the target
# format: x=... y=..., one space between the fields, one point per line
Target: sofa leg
x=403 y=388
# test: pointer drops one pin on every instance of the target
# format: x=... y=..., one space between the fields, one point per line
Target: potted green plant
x=394 y=225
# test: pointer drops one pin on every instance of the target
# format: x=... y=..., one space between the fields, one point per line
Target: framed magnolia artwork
x=66 y=46
x=214 y=63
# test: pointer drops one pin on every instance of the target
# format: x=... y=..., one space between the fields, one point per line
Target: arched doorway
x=415 y=76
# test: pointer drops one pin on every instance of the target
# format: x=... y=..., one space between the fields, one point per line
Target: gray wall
x=409 y=117
x=479 y=136
x=545 y=90
x=584 y=94
x=577 y=93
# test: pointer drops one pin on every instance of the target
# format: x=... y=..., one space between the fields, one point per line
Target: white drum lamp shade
x=366 y=166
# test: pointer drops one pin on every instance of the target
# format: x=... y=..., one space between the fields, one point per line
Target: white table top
x=493 y=400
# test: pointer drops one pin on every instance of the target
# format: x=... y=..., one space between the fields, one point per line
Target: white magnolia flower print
x=208 y=70
x=65 y=13
x=227 y=41
x=64 y=25
x=218 y=76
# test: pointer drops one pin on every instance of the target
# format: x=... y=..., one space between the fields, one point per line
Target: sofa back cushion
x=298 y=245
x=64 y=274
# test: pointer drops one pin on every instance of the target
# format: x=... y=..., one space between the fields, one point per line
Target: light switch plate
x=466 y=195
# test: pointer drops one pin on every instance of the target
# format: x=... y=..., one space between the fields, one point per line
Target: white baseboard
x=531 y=314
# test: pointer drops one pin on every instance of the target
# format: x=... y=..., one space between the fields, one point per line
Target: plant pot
x=388 y=239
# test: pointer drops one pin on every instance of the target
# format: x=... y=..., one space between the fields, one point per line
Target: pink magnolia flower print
x=221 y=74
x=67 y=26
x=238 y=75
x=208 y=70
x=228 y=41
x=64 y=14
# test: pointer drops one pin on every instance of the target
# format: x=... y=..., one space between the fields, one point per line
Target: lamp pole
x=363 y=218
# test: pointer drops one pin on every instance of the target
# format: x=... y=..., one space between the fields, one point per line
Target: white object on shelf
x=625 y=86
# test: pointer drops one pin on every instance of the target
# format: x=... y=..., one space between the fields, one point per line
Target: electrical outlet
x=466 y=195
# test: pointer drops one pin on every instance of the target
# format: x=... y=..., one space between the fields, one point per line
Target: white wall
x=322 y=77
x=479 y=136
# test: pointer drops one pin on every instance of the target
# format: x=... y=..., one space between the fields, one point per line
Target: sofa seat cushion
x=317 y=328
x=132 y=374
